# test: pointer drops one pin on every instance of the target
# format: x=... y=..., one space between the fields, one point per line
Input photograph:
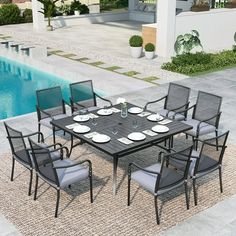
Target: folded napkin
x=125 y=140
x=150 y=132
x=144 y=113
x=165 y=122
x=72 y=126
x=90 y=135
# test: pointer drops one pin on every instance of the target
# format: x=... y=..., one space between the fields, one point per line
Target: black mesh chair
x=205 y=117
x=208 y=159
x=175 y=102
x=20 y=152
x=83 y=96
x=50 y=105
x=61 y=173
x=158 y=179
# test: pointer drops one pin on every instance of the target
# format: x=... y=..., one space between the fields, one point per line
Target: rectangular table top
x=124 y=126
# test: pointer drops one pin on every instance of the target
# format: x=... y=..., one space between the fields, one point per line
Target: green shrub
x=191 y=59
x=5 y=1
x=149 y=47
x=27 y=16
x=216 y=61
x=77 y=6
x=136 y=41
x=10 y=14
x=234 y=48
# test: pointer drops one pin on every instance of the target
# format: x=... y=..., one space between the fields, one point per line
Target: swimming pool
x=18 y=84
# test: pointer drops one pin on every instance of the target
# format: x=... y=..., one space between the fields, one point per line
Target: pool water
x=18 y=84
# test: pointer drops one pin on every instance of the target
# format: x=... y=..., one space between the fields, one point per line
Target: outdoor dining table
x=123 y=126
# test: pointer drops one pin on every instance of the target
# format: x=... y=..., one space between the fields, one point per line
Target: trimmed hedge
x=10 y=14
x=190 y=64
x=28 y=16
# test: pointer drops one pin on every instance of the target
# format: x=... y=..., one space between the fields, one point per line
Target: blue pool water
x=18 y=84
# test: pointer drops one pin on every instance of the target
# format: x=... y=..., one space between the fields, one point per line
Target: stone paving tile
x=6 y=228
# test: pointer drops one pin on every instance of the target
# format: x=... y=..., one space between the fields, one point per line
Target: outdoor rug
x=109 y=214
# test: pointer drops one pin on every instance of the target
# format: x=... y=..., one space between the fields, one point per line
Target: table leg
x=115 y=164
x=71 y=144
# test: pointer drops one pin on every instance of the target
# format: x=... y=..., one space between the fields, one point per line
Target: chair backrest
x=207 y=106
x=82 y=93
x=211 y=153
x=17 y=144
x=184 y=157
x=177 y=96
x=50 y=100
x=43 y=163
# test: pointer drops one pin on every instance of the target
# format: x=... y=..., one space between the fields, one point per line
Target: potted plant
x=149 y=50
x=234 y=46
x=230 y=4
x=136 y=46
x=64 y=9
x=49 y=9
x=200 y=5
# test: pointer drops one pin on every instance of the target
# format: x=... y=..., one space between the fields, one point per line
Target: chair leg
x=13 y=167
x=91 y=187
x=156 y=210
x=186 y=194
x=54 y=135
x=220 y=177
x=39 y=129
x=30 y=183
x=129 y=182
x=186 y=135
x=195 y=192
x=57 y=204
x=36 y=187
x=217 y=143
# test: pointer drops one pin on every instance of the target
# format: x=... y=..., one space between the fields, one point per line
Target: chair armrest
x=104 y=99
x=198 y=126
x=158 y=100
x=51 y=145
x=189 y=108
x=165 y=148
x=141 y=168
x=44 y=112
x=61 y=149
x=173 y=110
x=75 y=164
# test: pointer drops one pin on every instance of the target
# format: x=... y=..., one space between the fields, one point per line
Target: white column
x=165 y=27
x=38 y=18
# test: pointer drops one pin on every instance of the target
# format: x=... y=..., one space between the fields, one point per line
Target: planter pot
x=76 y=13
x=49 y=28
x=230 y=5
x=149 y=55
x=136 y=52
x=200 y=8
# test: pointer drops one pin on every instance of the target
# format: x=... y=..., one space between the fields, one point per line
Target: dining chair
x=61 y=173
x=50 y=105
x=84 y=97
x=205 y=117
x=159 y=179
x=175 y=102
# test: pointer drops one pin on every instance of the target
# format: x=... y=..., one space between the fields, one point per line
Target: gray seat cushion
x=148 y=180
x=47 y=121
x=178 y=116
x=205 y=128
x=67 y=176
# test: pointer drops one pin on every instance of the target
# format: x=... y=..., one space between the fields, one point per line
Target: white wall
x=62 y=21
x=216 y=27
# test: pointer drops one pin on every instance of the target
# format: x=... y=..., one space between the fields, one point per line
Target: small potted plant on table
x=149 y=50
x=136 y=46
x=200 y=5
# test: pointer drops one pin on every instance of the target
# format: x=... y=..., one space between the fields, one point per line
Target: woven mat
x=108 y=215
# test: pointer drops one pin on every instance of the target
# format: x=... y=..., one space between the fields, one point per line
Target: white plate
x=81 y=129
x=160 y=129
x=155 y=117
x=104 y=112
x=101 y=138
x=81 y=118
x=136 y=136
x=135 y=110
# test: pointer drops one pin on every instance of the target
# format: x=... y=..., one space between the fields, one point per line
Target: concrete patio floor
x=107 y=42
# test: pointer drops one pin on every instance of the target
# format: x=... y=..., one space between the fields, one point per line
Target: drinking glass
x=114 y=130
x=135 y=123
x=94 y=122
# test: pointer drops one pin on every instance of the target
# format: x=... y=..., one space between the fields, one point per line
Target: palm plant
x=49 y=8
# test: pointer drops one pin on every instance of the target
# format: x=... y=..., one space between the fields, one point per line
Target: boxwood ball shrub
x=149 y=47
x=27 y=16
x=136 y=41
x=10 y=14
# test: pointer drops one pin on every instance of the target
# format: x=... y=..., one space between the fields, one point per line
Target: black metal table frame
x=117 y=155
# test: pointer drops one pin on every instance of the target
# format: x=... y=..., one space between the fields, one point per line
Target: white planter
x=149 y=55
x=76 y=13
x=49 y=28
x=136 y=52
